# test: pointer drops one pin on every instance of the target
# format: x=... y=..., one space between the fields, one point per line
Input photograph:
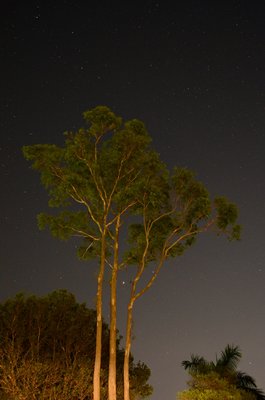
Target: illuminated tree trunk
x=134 y=296
x=113 y=318
x=97 y=365
x=128 y=341
x=126 y=373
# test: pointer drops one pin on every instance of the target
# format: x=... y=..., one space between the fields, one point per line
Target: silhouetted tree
x=47 y=349
x=225 y=368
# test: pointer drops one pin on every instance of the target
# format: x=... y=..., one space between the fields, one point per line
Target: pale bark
x=126 y=365
x=135 y=295
x=97 y=365
x=128 y=341
x=113 y=317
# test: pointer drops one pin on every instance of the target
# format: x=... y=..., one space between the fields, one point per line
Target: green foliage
x=212 y=387
x=192 y=195
x=175 y=210
x=212 y=376
x=52 y=339
x=108 y=168
x=101 y=120
x=104 y=169
x=227 y=215
x=139 y=375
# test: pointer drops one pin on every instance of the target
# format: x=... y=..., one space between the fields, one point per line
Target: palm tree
x=226 y=367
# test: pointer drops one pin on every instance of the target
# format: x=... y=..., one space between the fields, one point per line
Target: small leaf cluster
x=227 y=215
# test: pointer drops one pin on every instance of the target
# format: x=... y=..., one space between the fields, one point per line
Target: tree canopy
x=220 y=378
x=47 y=349
x=95 y=178
x=99 y=175
x=105 y=172
x=212 y=387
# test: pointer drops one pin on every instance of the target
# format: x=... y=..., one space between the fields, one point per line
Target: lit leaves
x=108 y=168
x=191 y=195
x=175 y=209
x=101 y=120
x=73 y=224
x=227 y=215
x=105 y=168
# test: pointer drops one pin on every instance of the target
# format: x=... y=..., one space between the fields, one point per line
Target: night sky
x=195 y=74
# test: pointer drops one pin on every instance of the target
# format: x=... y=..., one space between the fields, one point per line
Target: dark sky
x=194 y=72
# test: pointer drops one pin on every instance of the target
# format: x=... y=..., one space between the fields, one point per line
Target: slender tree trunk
x=97 y=364
x=128 y=341
x=126 y=365
x=113 y=318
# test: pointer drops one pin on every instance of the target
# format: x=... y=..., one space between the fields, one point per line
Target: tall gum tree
x=103 y=173
x=95 y=179
x=174 y=211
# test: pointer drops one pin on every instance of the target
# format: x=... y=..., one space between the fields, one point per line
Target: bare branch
x=108 y=263
x=83 y=233
x=121 y=213
x=88 y=247
x=77 y=197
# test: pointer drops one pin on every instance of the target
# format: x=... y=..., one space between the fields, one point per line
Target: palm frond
x=229 y=359
x=196 y=364
x=226 y=367
x=243 y=380
x=247 y=383
x=257 y=393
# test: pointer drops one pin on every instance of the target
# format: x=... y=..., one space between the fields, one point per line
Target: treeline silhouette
x=47 y=351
